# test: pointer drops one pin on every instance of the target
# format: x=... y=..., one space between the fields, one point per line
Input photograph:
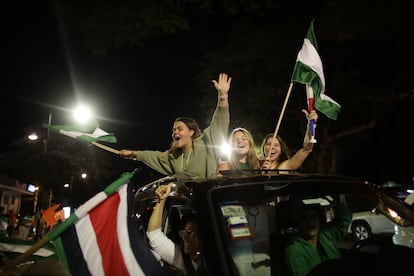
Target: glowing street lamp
x=33 y=137
x=82 y=113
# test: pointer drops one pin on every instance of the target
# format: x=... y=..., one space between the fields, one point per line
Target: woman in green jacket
x=192 y=152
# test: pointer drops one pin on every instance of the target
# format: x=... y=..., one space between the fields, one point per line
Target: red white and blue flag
x=102 y=238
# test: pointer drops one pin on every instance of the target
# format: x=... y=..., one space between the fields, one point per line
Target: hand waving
x=223 y=84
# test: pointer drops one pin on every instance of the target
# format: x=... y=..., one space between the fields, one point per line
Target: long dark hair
x=284 y=154
x=191 y=124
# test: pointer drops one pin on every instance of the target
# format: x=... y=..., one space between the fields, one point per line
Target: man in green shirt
x=315 y=241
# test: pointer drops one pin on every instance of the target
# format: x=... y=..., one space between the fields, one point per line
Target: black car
x=245 y=220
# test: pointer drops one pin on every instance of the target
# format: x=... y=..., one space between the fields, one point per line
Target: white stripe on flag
x=89 y=246
x=309 y=91
x=21 y=248
x=72 y=134
x=98 y=132
x=129 y=258
x=85 y=208
x=309 y=55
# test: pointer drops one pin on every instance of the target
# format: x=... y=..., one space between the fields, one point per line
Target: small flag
x=13 y=247
x=51 y=215
x=309 y=70
x=101 y=237
x=89 y=132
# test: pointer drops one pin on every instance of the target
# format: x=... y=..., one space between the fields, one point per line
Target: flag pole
x=280 y=119
x=104 y=147
x=15 y=262
x=283 y=111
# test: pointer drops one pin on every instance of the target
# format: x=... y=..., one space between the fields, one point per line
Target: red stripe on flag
x=311 y=102
x=103 y=219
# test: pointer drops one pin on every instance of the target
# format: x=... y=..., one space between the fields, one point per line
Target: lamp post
x=36 y=197
x=45 y=140
x=35 y=137
x=81 y=114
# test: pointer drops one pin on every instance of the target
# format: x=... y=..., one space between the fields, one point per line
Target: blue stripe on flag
x=73 y=252
x=139 y=246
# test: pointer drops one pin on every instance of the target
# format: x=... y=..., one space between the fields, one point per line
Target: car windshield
x=255 y=221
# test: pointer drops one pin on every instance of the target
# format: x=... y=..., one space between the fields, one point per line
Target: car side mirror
x=395 y=210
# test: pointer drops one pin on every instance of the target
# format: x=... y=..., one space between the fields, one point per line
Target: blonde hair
x=252 y=160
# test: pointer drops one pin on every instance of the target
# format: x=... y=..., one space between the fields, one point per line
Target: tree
x=257 y=42
x=62 y=162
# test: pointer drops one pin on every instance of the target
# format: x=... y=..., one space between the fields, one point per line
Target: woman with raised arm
x=276 y=154
x=188 y=258
x=192 y=152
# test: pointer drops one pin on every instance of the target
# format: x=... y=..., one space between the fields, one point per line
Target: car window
x=359 y=202
x=245 y=224
x=255 y=221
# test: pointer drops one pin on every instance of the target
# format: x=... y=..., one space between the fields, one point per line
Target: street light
x=68 y=204
x=82 y=113
x=33 y=137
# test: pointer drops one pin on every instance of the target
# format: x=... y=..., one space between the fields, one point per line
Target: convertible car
x=245 y=220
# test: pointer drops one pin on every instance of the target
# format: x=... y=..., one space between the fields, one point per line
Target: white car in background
x=367 y=223
x=405 y=235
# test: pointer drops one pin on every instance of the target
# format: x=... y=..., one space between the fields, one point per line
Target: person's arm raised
x=223 y=86
x=296 y=161
x=155 y=220
x=307 y=144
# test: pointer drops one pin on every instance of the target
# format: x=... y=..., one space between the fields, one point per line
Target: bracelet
x=223 y=97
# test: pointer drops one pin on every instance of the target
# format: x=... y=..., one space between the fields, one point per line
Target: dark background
x=140 y=64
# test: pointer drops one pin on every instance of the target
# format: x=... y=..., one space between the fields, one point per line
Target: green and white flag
x=11 y=248
x=89 y=132
x=309 y=71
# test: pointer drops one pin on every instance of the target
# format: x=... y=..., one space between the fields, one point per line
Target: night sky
x=134 y=92
x=130 y=90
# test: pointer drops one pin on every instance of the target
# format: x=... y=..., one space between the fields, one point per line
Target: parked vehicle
x=367 y=223
x=405 y=235
x=244 y=220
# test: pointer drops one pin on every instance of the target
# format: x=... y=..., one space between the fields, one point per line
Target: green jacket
x=202 y=161
x=300 y=257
